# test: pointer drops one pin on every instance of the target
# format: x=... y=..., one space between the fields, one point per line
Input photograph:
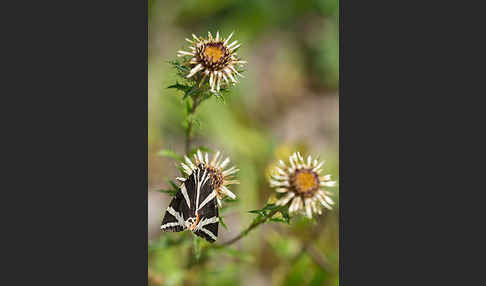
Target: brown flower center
x=305 y=182
x=214 y=53
x=216 y=175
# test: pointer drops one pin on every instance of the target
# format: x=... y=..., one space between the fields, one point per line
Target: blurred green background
x=287 y=101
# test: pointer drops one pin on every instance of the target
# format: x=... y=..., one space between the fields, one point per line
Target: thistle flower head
x=215 y=166
x=300 y=185
x=213 y=59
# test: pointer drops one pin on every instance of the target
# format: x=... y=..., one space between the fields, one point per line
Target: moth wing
x=188 y=194
x=209 y=232
x=209 y=212
x=173 y=218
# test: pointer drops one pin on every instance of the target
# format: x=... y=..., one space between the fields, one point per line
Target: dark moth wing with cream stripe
x=209 y=231
x=194 y=207
x=170 y=222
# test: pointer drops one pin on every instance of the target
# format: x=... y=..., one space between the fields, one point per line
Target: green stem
x=252 y=226
x=195 y=104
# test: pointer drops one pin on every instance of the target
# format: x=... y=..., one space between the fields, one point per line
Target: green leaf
x=190 y=91
x=206 y=95
x=220 y=98
x=229 y=200
x=180 y=87
x=278 y=219
x=181 y=69
x=174 y=189
x=169 y=192
x=270 y=207
x=286 y=215
x=174 y=185
x=267 y=209
x=170 y=153
x=181 y=171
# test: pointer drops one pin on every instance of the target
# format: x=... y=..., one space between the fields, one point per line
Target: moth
x=194 y=207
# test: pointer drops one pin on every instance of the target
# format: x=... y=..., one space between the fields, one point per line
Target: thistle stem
x=195 y=104
x=252 y=226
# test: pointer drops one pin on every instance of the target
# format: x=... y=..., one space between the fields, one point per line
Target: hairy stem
x=195 y=104
x=252 y=226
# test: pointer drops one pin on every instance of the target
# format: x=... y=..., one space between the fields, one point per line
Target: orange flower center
x=305 y=182
x=214 y=53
